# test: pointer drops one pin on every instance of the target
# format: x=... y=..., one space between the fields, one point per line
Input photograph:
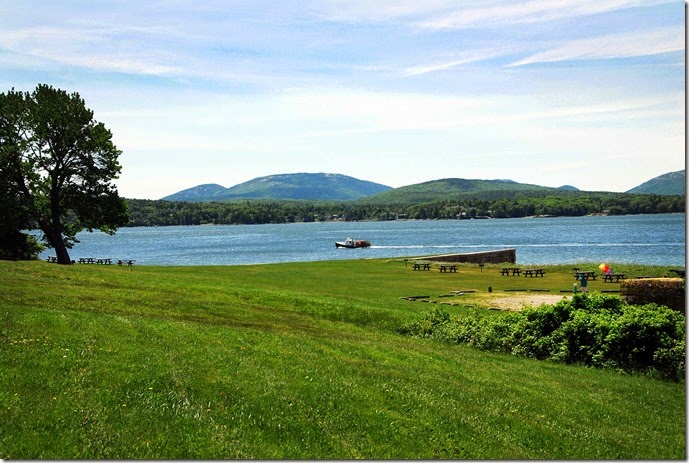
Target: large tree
x=14 y=211
x=57 y=165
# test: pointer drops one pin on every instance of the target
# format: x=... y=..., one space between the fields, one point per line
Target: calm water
x=644 y=239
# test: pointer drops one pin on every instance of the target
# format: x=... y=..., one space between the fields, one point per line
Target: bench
x=610 y=276
x=450 y=268
x=534 y=272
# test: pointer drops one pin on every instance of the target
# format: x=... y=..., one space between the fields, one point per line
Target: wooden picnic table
x=585 y=274
x=608 y=277
x=450 y=268
x=129 y=262
x=93 y=260
x=534 y=272
x=52 y=259
x=418 y=266
x=506 y=271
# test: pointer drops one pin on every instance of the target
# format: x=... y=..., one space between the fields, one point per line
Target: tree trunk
x=55 y=226
x=54 y=235
x=61 y=251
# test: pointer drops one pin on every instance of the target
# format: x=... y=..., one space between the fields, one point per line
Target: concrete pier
x=485 y=257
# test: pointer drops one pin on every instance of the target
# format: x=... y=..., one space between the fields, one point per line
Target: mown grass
x=297 y=361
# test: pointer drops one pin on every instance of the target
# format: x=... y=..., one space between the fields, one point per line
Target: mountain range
x=337 y=187
x=302 y=186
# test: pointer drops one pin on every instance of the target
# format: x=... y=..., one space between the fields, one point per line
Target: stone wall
x=662 y=291
x=486 y=257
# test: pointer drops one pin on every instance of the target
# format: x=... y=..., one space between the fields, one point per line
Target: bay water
x=658 y=239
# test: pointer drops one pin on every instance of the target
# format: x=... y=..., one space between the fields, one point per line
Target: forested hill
x=301 y=186
x=451 y=198
x=450 y=188
x=493 y=204
x=672 y=183
x=337 y=187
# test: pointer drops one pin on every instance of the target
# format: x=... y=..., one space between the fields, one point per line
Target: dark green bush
x=593 y=330
x=428 y=325
x=15 y=245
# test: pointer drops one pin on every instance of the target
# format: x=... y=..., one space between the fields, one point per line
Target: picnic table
x=533 y=272
x=418 y=266
x=93 y=260
x=608 y=277
x=450 y=268
x=129 y=262
x=52 y=259
x=506 y=271
x=585 y=274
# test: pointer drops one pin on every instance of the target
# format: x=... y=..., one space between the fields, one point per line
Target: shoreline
x=482 y=218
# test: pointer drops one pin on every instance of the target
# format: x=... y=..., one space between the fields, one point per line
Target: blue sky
x=588 y=93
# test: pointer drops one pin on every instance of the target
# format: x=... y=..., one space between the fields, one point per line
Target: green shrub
x=580 y=339
x=15 y=245
x=533 y=329
x=429 y=324
x=641 y=331
x=594 y=330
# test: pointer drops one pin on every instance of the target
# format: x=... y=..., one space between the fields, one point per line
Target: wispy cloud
x=246 y=84
x=612 y=46
x=504 y=13
x=90 y=48
x=467 y=58
x=354 y=11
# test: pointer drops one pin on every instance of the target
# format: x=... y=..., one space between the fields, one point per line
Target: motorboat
x=352 y=243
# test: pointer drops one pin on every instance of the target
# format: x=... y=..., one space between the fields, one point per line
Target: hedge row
x=595 y=330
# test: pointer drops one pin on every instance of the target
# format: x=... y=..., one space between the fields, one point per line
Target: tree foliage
x=495 y=205
x=57 y=166
x=14 y=210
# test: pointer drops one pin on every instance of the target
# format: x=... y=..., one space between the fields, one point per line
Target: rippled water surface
x=646 y=239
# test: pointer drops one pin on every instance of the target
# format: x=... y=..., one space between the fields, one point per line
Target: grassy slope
x=295 y=361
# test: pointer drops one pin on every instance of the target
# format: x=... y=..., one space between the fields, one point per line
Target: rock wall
x=662 y=291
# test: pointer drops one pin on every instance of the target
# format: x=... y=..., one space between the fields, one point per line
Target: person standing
x=583 y=283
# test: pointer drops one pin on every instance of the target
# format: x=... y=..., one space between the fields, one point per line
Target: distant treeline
x=504 y=205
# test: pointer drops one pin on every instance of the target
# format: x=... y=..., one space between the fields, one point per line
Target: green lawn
x=298 y=361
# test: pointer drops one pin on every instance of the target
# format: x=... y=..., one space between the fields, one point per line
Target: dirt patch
x=519 y=301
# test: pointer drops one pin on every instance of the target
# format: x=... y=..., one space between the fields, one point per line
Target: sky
x=589 y=93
